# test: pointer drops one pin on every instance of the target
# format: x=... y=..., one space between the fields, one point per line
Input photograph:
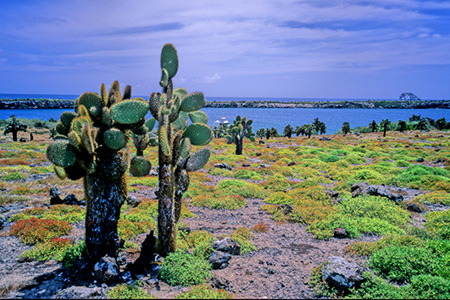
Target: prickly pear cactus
x=92 y=144
x=172 y=109
x=14 y=127
x=240 y=129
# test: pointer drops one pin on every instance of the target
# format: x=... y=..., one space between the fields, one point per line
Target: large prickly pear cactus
x=172 y=109
x=240 y=129
x=92 y=144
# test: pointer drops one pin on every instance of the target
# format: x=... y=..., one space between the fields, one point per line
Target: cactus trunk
x=166 y=217
x=106 y=191
x=239 y=146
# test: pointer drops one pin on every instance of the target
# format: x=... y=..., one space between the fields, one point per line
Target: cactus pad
x=129 y=112
x=185 y=147
x=164 y=78
x=60 y=172
x=62 y=153
x=114 y=139
x=104 y=95
x=150 y=124
x=67 y=118
x=78 y=123
x=61 y=129
x=198 y=117
x=181 y=92
x=89 y=100
x=193 y=102
x=127 y=92
x=197 y=160
x=169 y=60
x=140 y=166
x=199 y=134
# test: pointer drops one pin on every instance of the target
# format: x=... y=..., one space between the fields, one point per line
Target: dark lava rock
x=2 y=221
x=413 y=207
x=246 y=165
x=342 y=275
x=227 y=245
x=81 y=292
x=341 y=233
x=223 y=166
x=420 y=159
x=106 y=269
x=133 y=201
x=219 y=259
x=54 y=196
x=71 y=199
x=220 y=283
x=261 y=142
x=292 y=163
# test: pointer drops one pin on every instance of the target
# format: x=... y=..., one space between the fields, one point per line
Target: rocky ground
x=280 y=268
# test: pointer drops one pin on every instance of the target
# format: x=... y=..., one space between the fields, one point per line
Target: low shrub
x=128 y=291
x=14 y=177
x=438 y=223
x=60 y=212
x=218 y=201
x=128 y=229
x=260 y=228
x=242 y=236
x=181 y=268
x=52 y=249
x=437 y=197
x=204 y=292
x=246 y=173
x=427 y=286
x=240 y=187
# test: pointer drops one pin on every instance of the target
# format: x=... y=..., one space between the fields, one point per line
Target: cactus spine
x=240 y=129
x=92 y=145
x=171 y=109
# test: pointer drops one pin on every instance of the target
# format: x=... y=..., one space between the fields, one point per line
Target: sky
x=375 y=49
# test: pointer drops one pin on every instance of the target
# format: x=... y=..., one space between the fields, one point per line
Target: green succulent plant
x=92 y=144
x=176 y=137
x=240 y=129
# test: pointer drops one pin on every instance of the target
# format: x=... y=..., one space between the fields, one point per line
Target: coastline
x=364 y=104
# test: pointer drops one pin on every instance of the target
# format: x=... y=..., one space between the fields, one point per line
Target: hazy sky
x=230 y=48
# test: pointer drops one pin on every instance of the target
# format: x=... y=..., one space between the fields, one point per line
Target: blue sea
x=262 y=117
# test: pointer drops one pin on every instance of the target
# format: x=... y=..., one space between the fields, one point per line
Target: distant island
x=365 y=104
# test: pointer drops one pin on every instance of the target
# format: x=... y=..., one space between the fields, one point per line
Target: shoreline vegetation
x=29 y=103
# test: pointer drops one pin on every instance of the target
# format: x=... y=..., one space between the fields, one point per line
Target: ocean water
x=275 y=117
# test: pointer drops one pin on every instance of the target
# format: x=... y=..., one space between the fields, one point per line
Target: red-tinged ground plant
x=32 y=231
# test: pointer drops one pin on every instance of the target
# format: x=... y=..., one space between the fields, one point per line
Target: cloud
x=208 y=79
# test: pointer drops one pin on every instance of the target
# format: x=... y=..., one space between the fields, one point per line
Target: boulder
x=393 y=193
x=54 y=196
x=220 y=283
x=342 y=275
x=227 y=245
x=219 y=259
x=106 y=269
x=133 y=201
x=223 y=166
x=81 y=292
x=341 y=233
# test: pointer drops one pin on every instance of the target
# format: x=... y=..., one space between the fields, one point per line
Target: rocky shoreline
x=369 y=104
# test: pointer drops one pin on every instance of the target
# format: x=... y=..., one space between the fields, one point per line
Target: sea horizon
x=208 y=98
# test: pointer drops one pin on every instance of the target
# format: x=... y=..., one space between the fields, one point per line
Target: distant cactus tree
x=346 y=127
x=373 y=126
x=309 y=129
x=322 y=128
x=441 y=123
x=92 y=144
x=240 y=129
x=299 y=130
x=274 y=132
x=172 y=109
x=401 y=126
x=268 y=133
x=316 y=125
x=385 y=124
x=14 y=126
x=261 y=133
x=53 y=133
x=221 y=130
x=423 y=124
x=288 y=131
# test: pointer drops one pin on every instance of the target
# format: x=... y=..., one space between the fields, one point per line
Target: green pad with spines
x=114 y=95
x=169 y=59
x=150 y=124
x=181 y=122
x=127 y=92
x=198 y=117
x=163 y=141
x=199 y=134
x=106 y=117
x=89 y=100
x=193 y=102
x=129 y=112
x=67 y=118
x=181 y=92
x=104 y=95
x=185 y=147
x=61 y=129
x=75 y=139
x=141 y=130
x=78 y=123
x=114 y=139
x=60 y=172
x=164 y=78
x=140 y=166
x=62 y=153
x=197 y=160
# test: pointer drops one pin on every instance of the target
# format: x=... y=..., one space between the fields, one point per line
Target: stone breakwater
x=36 y=103
x=378 y=104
